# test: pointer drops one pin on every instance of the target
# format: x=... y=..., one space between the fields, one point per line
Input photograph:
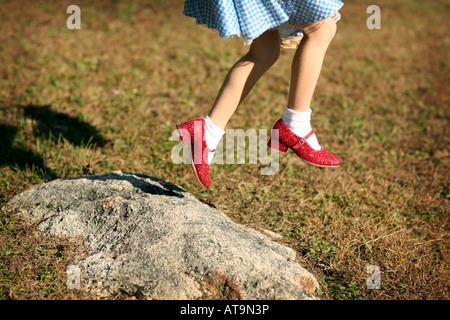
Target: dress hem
x=289 y=27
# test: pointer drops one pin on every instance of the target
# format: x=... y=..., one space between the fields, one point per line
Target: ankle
x=300 y=124
x=213 y=134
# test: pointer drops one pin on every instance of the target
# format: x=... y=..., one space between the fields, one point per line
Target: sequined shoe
x=192 y=133
x=284 y=138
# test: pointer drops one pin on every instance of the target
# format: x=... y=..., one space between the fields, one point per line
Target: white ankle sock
x=213 y=134
x=299 y=123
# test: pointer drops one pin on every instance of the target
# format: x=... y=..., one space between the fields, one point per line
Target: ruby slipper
x=284 y=138
x=192 y=133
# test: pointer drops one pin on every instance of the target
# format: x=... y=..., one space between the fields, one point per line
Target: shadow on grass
x=53 y=126
x=18 y=156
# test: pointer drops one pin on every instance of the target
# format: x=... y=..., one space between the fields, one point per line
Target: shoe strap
x=303 y=140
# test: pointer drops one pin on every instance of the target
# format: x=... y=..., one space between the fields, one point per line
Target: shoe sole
x=311 y=163
x=318 y=165
x=283 y=149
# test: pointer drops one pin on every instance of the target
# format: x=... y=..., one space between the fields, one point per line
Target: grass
x=107 y=97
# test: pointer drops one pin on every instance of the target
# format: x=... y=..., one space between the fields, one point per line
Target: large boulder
x=151 y=239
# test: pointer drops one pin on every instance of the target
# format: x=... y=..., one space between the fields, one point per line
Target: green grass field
x=107 y=97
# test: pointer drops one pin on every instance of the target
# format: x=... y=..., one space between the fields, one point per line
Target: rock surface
x=151 y=239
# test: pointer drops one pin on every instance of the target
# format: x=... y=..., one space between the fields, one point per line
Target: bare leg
x=307 y=64
x=306 y=68
x=263 y=53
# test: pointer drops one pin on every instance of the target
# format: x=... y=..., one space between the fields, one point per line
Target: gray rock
x=151 y=239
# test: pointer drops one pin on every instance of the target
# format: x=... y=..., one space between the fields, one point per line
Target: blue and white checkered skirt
x=251 y=18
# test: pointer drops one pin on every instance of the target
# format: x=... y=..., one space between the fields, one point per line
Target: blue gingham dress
x=251 y=18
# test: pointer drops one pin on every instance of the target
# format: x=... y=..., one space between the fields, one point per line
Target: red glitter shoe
x=192 y=133
x=284 y=138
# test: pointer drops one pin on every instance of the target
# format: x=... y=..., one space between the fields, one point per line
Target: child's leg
x=263 y=53
x=307 y=65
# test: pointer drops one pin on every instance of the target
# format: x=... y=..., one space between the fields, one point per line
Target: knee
x=270 y=56
x=324 y=33
x=266 y=51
